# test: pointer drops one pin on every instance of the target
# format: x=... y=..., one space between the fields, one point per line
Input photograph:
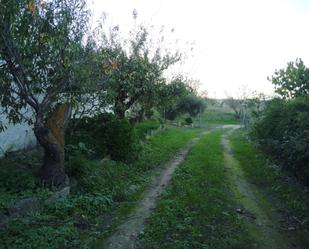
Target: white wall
x=15 y=137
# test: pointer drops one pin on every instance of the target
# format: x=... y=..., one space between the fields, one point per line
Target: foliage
x=33 y=34
x=105 y=134
x=197 y=210
x=235 y=105
x=189 y=104
x=144 y=127
x=192 y=105
x=17 y=178
x=122 y=143
x=75 y=150
x=274 y=183
x=188 y=120
x=133 y=69
x=169 y=96
x=42 y=54
x=85 y=216
x=283 y=133
x=293 y=81
x=218 y=116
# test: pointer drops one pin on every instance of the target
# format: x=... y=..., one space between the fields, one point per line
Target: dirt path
x=261 y=220
x=127 y=234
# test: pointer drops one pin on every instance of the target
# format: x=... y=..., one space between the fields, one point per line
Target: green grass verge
x=212 y=117
x=197 y=210
x=286 y=196
x=104 y=190
x=259 y=171
x=146 y=126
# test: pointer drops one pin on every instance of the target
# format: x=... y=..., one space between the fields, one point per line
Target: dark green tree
x=169 y=95
x=192 y=105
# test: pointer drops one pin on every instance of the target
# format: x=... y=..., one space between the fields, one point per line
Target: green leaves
x=41 y=47
x=293 y=81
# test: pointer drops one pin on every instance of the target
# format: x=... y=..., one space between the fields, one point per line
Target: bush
x=188 y=120
x=189 y=104
x=122 y=140
x=144 y=127
x=90 y=132
x=283 y=132
x=104 y=134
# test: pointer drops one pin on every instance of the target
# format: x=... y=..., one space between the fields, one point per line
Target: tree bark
x=50 y=136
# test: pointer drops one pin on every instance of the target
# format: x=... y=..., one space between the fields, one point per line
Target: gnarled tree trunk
x=50 y=136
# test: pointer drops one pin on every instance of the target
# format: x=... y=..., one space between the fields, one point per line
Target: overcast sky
x=236 y=42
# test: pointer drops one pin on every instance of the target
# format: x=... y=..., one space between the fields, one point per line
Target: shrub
x=189 y=104
x=283 y=132
x=91 y=133
x=144 y=127
x=122 y=140
x=104 y=134
x=188 y=120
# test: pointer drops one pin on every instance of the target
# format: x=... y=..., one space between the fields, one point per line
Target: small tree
x=40 y=54
x=192 y=105
x=169 y=95
x=235 y=105
x=133 y=69
x=293 y=81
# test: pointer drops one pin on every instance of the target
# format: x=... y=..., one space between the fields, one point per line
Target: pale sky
x=236 y=42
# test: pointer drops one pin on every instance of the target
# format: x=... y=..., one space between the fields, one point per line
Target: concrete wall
x=15 y=137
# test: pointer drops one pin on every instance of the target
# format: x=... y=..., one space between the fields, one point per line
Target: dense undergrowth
x=283 y=133
x=197 y=210
x=103 y=188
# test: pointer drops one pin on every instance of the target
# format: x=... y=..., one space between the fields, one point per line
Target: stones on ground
x=61 y=194
x=24 y=206
x=29 y=205
x=21 y=207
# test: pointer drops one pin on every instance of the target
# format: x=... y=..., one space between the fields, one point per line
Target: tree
x=41 y=53
x=293 y=81
x=192 y=105
x=133 y=69
x=235 y=105
x=169 y=95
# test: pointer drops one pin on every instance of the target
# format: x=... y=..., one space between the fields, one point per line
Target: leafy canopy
x=293 y=81
x=40 y=53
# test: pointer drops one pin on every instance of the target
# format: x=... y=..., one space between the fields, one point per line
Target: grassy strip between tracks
x=198 y=209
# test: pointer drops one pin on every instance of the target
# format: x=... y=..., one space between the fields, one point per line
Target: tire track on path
x=262 y=225
x=126 y=236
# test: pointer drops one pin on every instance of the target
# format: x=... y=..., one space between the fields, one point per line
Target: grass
x=146 y=126
x=106 y=191
x=287 y=196
x=213 y=117
x=17 y=178
x=197 y=210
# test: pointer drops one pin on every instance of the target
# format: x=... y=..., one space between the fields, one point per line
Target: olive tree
x=41 y=53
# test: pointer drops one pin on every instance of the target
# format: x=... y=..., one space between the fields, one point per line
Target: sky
x=236 y=43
